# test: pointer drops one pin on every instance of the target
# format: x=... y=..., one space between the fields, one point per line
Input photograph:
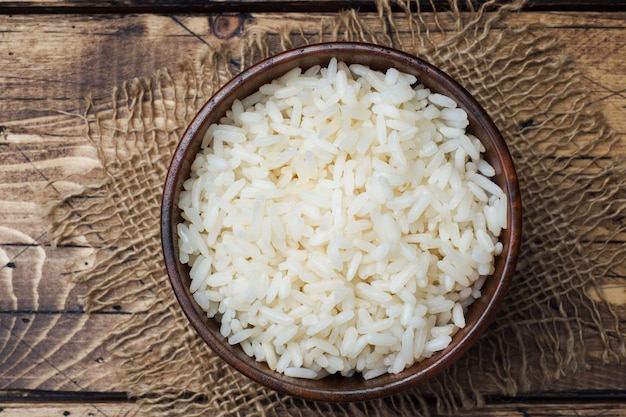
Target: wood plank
x=57 y=351
x=65 y=409
x=527 y=408
x=30 y=43
x=199 y=6
x=51 y=81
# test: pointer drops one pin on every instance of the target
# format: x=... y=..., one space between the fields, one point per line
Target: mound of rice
x=340 y=220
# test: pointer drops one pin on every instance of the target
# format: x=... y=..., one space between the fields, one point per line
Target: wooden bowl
x=481 y=312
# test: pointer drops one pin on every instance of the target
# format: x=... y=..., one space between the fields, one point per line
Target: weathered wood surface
x=49 y=64
x=126 y=409
x=196 y=6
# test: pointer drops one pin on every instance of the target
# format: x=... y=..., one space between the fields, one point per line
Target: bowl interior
x=338 y=388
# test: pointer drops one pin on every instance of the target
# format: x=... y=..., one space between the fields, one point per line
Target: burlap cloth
x=573 y=194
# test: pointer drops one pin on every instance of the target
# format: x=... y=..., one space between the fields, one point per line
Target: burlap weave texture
x=573 y=191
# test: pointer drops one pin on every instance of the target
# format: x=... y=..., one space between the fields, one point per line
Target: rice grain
x=340 y=220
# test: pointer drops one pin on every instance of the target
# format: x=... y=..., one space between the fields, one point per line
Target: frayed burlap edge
x=572 y=189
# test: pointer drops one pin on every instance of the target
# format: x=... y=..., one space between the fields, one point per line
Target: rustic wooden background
x=54 y=53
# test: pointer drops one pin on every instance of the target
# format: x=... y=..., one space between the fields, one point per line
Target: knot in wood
x=227 y=26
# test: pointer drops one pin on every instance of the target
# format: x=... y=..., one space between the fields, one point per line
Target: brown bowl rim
x=365 y=390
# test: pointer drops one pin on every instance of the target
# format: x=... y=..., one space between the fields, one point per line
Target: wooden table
x=53 y=53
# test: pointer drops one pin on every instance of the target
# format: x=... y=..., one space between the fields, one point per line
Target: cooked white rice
x=340 y=220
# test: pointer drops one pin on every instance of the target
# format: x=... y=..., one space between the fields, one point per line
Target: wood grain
x=65 y=409
x=199 y=6
x=49 y=66
x=563 y=408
